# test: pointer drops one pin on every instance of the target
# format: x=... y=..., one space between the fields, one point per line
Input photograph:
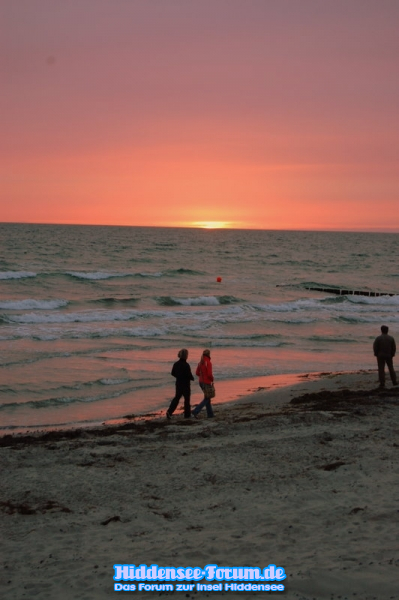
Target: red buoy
x=218 y=279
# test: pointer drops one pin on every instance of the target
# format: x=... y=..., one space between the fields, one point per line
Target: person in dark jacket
x=182 y=371
x=385 y=349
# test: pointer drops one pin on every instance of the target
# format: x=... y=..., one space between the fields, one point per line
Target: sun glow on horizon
x=211 y=224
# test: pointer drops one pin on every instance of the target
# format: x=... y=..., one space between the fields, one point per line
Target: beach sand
x=309 y=485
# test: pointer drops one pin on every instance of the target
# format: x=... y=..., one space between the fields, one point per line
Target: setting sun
x=212 y=224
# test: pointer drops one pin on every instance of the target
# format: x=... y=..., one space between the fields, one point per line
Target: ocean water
x=92 y=318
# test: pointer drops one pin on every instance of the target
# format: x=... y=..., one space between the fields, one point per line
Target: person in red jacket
x=204 y=372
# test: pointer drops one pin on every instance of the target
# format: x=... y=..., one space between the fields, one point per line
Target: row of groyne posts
x=341 y=292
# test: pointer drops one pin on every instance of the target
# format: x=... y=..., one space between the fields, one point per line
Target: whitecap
x=16 y=274
x=30 y=304
x=81 y=317
x=96 y=275
x=198 y=301
x=303 y=304
x=380 y=301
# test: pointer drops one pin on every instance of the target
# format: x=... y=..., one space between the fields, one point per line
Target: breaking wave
x=197 y=301
x=82 y=317
x=97 y=275
x=16 y=274
x=32 y=304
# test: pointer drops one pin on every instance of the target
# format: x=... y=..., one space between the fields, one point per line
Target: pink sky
x=251 y=113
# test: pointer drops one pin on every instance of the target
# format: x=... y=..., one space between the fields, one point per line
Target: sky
x=266 y=114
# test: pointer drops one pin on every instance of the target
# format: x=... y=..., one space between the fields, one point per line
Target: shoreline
x=303 y=477
x=233 y=392
x=229 y=390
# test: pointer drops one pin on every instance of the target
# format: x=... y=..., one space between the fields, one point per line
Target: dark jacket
x=384 y=346
x=182 y=371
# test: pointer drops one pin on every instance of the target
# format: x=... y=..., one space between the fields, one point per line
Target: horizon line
x=321 y=230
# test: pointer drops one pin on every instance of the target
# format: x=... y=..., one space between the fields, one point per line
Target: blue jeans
x=205 y=402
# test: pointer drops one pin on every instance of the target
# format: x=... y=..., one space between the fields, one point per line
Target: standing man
x=384 y=349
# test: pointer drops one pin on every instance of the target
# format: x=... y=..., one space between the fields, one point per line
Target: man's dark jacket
x=384 y=346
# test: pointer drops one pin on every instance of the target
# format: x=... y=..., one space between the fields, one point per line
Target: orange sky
x=260 y=114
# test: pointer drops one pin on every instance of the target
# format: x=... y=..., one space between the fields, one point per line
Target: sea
x=92 y=317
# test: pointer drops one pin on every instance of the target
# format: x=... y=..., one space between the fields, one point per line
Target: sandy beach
x=303 y=477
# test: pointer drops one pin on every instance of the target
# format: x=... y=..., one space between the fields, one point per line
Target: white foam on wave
x=97 y=275
x=137 y=332
x=364 y=318
x=303 y=304
x=352 y=303
x=30 y=304
x=293 y=320
x=109 y=381
x=16 y=274
x=379 y=301
x=199 y=301
x=81 y=317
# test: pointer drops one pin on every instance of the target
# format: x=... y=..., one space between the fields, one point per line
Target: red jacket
x=204 y=370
